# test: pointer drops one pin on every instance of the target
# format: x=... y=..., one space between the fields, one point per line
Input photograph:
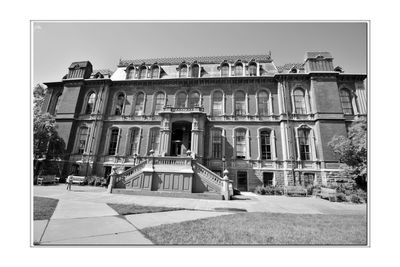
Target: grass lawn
x=264 y=229
x=43 y=207
x=125 y=209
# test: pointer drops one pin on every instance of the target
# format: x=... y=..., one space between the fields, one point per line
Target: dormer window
x=224 y=70
x=252 y=69
x=155 y=72
x=142 y=72
x=195 y=71
x=130 y=73
x=293 y=70
x=183 y=71
x=239 y=69
x=339 y=69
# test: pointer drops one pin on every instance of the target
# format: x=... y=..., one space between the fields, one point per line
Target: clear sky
x=57 y=44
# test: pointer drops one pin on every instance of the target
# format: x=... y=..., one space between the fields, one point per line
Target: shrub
x=269 y=190
x=355 y=199
x=260 y=190
x=341 y=197
x=362 y=194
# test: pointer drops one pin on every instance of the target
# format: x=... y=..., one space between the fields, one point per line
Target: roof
x=200 y=60
x=81 y=64
x=102 y=71
x=318 y=54
x=288 y=66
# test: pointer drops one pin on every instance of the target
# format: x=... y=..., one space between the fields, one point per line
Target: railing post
x=225 y=186
x=112 y=179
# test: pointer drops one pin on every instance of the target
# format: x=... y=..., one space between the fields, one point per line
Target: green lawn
x=43 y=207
x=264 y=229
x=125 y=209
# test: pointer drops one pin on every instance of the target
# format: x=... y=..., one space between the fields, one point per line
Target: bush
x=363 y=195
x=356 y=199
x=269 y=190
x=341 y=197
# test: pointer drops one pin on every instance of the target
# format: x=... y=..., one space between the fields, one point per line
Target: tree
x=352 y=151
x=47 y=144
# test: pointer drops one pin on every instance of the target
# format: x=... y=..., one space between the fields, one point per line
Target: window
x=131 y=73
x=299 y=102
x=112 y=148
x=216 y=141
x=240 y=141
x=155 y=71
x=345 y=99
x=142 y=72
x=154 y=139
x=57 y=105
x=217 y=104
x=265 y=143
x=133 y=141
x=194 y=99
x=240 y=103
x=239 y=69
x=263 y=103
x=139 y=106
x=83 y=137
x=183 y=71
x=119 y=104
x=224 y=70
x=90 y=103
x=253 y=69
x=268 y=178
x=304 y=144
x=181 y=100
x=160 y=102
x=195 y=71
x=308 y=179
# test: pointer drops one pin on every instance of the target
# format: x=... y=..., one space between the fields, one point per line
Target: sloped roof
x=102 y=71
x=81 y=64
x=317 y=54
x=288 y=66
x=200 y=60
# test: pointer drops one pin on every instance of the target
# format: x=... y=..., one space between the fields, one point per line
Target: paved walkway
x=82 y=216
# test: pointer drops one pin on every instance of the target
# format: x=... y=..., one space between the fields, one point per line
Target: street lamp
x=223 y=164
x=134 y=159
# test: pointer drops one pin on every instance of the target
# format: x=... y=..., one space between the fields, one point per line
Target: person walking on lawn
x=69 y=182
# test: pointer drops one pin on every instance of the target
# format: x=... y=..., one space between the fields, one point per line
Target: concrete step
x=207 y=195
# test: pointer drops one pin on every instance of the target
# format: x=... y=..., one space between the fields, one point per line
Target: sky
x=57 y=44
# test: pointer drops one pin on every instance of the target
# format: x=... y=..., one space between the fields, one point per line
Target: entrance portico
x=182 y=129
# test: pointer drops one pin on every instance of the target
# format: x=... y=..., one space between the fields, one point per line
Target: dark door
x=268 y=178
x=242 y=181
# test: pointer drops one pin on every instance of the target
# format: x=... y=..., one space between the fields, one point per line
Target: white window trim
x=229 y=69
x=108 y=139
x=270 y=111
x=79 y=131
x=246 y=99
x=306 y=100
x=155 y=100
x=128 y=134
x=157 y=152
x=176 y=97
x=134 y=101
x=200 y=103
x=83 y=112
x=223 y=101
x=272 y=142
x=199 y=74
x=312 y=139
x=114 y=106
x=247 y=137
x=223 y=140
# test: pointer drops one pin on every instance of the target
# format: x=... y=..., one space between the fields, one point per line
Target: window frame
x=217 y=154
x=156 y=104
x=243 y=143
x=142 y=105
x=131 y=150
x=190 y=98
x=349 y=97
x=152 y=139
x=268 y=103
x=222 y=103
x=177 y=98
x=236 y=103
x=122 y=107
x=301 y=110
x=89 y=95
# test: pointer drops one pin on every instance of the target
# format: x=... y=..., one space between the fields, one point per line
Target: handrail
x=208 y=174
x=129 y=172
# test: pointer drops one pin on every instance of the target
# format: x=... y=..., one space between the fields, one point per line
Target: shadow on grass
x=126 y=209
x=43 y=207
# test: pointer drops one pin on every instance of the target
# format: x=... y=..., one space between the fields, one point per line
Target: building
x=196 y=116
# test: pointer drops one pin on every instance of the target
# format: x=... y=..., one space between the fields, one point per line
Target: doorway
x=242 y=180
x=181 y=138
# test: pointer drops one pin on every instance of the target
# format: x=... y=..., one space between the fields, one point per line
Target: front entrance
x=181 y=138
x=242 y=181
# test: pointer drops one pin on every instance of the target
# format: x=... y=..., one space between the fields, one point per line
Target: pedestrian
x=69 y=182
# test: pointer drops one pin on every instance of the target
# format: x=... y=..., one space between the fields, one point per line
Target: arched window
x=142 y=72
x=119 y=105
x=195 y=71
x=133 y=141
x=57 y=104
x=217 y=104
x=181 y=100
x=240 y=103
x=224 y=70
x=299 y=102
x=240 y=143
x=154 y=139
x=265 y=144
x=304 y=143
x=130 y=73
x=183 y=71
x=239 y=69
x=252 y=69
x=83 y=137
x=155 y=71
x=345 y=99
x=90 y=103
x=139 y=105
x=112 y=147
x=263 y=108
x=216 y=141
x=160 y=102
x=194 y=99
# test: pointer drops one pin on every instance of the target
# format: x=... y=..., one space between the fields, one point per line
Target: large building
x=195 y=116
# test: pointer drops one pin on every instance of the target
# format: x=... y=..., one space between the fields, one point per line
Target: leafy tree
x=352 y=151
x=47 y=143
